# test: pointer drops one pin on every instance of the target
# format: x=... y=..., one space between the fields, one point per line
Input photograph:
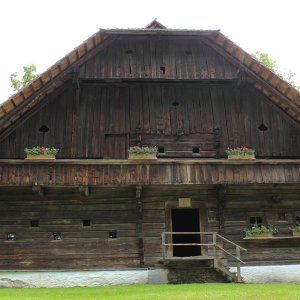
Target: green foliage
x=41 y=150
x=255 y=230
x=297 y=228
x=211 y=291
x=28 y=76
x=142 y=149
x=243 y=150
x=265 y=59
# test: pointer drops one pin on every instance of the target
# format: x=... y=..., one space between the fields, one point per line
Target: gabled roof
x=262 y=78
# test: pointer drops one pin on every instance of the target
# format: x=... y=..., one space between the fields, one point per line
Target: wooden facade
x=191 y=94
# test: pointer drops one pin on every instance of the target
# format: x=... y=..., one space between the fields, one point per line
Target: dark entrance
x=186 y=220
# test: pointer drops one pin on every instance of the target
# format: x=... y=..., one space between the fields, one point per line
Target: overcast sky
x=42 y=32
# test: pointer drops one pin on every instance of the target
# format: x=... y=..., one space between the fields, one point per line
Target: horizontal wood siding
x=63 y=211
x=268 y=202
x=164 y=59
x=95 y=121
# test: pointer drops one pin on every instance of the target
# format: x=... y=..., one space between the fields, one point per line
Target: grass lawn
x=161 y=292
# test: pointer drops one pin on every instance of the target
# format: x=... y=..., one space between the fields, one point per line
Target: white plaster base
x=270 y=274
x=40 y=279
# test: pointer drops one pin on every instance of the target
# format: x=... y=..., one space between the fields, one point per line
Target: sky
x=41 y=32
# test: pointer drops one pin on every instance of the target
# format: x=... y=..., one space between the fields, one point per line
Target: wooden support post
x=138 y=194
x=238 y=264
x=221 y=208
x=163 y=242
x=215 y=250
x=37 y=189
x=84 y=189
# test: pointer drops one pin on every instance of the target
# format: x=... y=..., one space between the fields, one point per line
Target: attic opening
x=163 y=70
x=262 y=127
x=129 y=51
x=43 y=129
x=188 y=52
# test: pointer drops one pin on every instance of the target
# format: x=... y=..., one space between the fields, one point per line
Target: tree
x=265 y=59
x=29 y=75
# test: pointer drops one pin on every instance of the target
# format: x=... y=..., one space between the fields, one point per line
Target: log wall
x=226 y=210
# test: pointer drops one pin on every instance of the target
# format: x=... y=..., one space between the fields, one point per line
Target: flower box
x=296 y=233
x=237 y=156
x=40 y=156
x=142 y=152
x=260 y=235
x=142 y=156
x=41 y=152
x=240 y=153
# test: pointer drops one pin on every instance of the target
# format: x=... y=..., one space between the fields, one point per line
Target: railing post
x=215 y=250
x=238 y=264
x=163 y=241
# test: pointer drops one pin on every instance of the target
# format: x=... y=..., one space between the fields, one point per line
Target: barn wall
x=95 y=121
x=139 y=225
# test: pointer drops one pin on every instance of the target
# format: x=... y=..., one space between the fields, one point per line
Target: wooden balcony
x=61 y=172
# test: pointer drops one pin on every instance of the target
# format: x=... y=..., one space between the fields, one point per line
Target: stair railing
x=214 y=245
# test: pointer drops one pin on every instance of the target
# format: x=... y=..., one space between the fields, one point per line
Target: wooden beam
x=138 y=191
x=221 y=205
x=140 y=225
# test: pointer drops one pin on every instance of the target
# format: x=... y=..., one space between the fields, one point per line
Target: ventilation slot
x=262 y=127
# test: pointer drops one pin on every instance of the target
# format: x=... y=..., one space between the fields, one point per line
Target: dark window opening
x=186 y=220
x=128 y=51
x=86 y=223
x=34 y=223
x=161 y=149
x=256 y=221
x=112 y=234
x=175 y=103
x=130 y=71
x=56 y=236
x=43 y=129
x=262 y=127
x=196 y=150
x=163 y=70
x=188 y=52
x=298 y=220
x=11 y=236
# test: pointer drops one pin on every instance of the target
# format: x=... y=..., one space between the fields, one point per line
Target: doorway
x=186 y=220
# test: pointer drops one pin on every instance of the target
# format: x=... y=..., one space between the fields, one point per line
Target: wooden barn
x=190 y=93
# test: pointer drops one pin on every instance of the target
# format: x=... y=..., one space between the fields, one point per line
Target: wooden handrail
x=214 y=244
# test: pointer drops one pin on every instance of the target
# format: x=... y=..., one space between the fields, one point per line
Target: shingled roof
x=280 y=92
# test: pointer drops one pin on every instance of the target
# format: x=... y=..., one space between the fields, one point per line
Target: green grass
x=161 y=292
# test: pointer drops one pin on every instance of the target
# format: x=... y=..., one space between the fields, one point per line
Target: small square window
x=255 y=221
x=86 y=223
x=112 y=234
x=34 y=223
x=56 y=236
x=196 y=150
x=10 y=236
x=211 y=215
x=161 y=149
